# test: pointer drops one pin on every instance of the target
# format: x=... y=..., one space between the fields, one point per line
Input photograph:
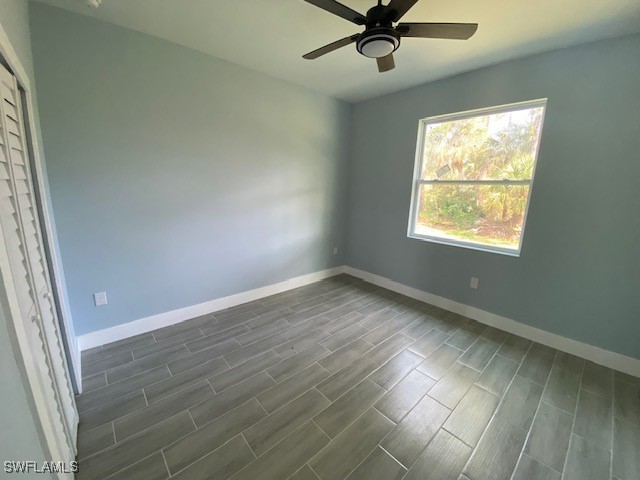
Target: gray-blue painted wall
x=579 y=272
x=177 y=178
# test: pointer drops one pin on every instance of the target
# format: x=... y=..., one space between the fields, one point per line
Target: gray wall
x=19 y=439
x=177 y=178
x=579 y=272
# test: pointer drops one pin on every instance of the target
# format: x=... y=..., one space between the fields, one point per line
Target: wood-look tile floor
x=345 y=380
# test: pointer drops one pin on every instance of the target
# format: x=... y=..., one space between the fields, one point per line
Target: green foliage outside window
x=485 y=148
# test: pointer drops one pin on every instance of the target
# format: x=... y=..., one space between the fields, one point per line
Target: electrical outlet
x=474 y=283
x=100 y=298
x=335 y=250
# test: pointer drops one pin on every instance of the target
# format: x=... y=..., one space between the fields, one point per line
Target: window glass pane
x=484 y=214
x=494 y=146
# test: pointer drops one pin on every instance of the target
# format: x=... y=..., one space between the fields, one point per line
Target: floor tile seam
x=366 y=377
x=181 y=390
x=542 y=463
x=493 y=416
x=87 y=365
x=194 y=352
x=269 y=313
x=472 y=447
x=627 y=422
x=457 y=361
x=272 y=348
x=518 y=363
x=110 y=447
x=206 y=424
x=144 y=371
x=185 y=371
x=441 y=427
x=331 y=440
x=257 y=457
x=168 y=347
x=218 y=392
x=403 y=376
x=84 y=414
x=573 y=425
x=316 y=306
x=515 y=374
x=597 y=394
x=84 y=411
x=193 y=462
x=310 y=467
x=389 y=453
x=113 y=435
x=289 y=402
x=248 y=445
x=421 y=451
x=535 y=415
x=166 y=464
x=613 y=420
x=316 y=388
x=135 y=463
x=279 y=332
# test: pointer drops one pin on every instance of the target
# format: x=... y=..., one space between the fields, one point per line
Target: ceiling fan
x=380 y=39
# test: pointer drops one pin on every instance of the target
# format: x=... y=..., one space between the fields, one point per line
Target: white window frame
x=418 y=182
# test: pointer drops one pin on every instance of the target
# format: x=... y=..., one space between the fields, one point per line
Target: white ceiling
x=272 y=35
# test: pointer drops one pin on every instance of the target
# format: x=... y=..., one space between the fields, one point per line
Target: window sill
x=469 y=245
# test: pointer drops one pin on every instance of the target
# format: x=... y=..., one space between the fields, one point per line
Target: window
x=473 y=176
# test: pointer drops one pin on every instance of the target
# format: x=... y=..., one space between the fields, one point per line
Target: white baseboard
x=597 y=355
x=77 y=368
x=147 y=324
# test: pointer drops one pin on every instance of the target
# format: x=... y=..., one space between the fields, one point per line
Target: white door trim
x=11 y=57
x=29 y=371
x=8 y=297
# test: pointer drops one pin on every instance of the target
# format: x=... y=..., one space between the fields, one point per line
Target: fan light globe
x=377 y=48
x=378 y=43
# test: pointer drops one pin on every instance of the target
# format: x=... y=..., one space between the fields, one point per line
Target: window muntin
x=474 y=172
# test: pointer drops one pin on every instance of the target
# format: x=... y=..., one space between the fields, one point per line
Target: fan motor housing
x=378 y=42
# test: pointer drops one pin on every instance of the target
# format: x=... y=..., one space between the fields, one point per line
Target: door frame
x=8 y=53
x=8 y=295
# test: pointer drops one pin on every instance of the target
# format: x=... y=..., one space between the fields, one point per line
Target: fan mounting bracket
x=380 y=16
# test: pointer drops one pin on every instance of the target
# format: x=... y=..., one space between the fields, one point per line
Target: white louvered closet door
x=29 y=272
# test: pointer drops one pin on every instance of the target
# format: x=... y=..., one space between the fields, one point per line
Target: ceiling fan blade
x=331 y=47
x=386 y=63
x=454 y=31
x=340 y=10
x=400 y=7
